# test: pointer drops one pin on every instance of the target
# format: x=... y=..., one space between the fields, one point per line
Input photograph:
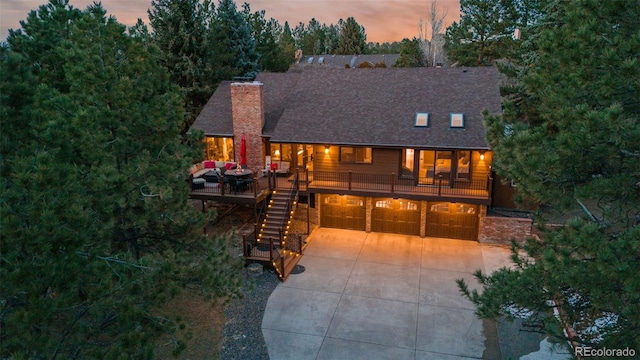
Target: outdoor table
x=238 y=178
x=238 y=173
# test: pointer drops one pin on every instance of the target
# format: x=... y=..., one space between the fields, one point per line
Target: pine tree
x=267 y=34
x=485 y=29
x=311 y=37
x=234 y=51
x=353 y=39
x=411 y=55
x=287 y=44
x=180 y=31
x=96 y=233
x=570 y=136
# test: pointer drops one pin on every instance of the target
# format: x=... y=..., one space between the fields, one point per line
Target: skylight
x=310 y=60
x=457 y=120
x=422 y=119
x=321 y=60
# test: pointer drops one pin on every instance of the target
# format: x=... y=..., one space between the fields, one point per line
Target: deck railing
x=231 y=186
x=292 y=200
x=391 y=183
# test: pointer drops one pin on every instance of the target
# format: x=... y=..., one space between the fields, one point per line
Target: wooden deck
x=248 y=194
x=385 y=185
x=389 y=185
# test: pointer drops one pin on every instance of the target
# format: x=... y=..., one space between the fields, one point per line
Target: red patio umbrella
x=243 y=150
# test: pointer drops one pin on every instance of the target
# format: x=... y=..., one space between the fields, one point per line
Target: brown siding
x=503 y=194
x=384 y=161
x=481 y=168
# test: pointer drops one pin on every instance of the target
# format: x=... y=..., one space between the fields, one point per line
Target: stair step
x=290 y=261
x=273 y=234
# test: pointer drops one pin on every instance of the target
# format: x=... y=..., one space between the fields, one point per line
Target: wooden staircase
x=284 y=254
x=278 y=219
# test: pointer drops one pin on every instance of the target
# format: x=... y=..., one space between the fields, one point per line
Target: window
x=408 y=156
x=465 y=209
x=361 y=155
x=422 y=119
x=442 y=207
x=384 y=204
x=219 y=149
x=353 y=201
x=457 y=120
x=407 y=205
x=463 y=169
x=280 y=152
x=332 y=200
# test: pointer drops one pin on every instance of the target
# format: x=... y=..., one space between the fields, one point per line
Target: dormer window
x=457 y=120
x=422 y=119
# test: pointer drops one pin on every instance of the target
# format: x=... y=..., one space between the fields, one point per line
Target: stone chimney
x=247 y=111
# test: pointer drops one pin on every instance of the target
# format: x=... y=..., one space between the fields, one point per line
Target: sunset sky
x=383 y=20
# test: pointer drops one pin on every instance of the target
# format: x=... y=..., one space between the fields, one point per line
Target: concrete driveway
x=381 y=296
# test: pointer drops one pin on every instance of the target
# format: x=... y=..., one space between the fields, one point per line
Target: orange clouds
x=383 y=20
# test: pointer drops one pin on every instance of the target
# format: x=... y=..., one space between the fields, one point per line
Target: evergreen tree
x=331 y=39
x=485 y=28
x=96 y=233
x=384 y=48
x=571 y=136
x=287 y=44
x=267 y=34
x=353 y=39
x=234 y=48
x=311 y=37
x=180 y=31
x=411 y=55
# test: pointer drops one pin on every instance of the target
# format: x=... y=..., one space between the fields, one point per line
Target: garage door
x=343 y=212
x=398 y=216
x=452 y=220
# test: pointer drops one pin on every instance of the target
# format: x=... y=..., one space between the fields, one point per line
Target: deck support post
x=308 y=213
x=204 y=211
x=349 y=179
x=393 y=182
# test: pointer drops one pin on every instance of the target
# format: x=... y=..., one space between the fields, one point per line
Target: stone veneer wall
x=247 y=110
x=369 y=210
x=423 y=218
x=501 y=230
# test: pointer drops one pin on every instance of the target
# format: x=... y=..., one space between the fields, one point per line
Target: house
x=389 y=150
x=345 y=61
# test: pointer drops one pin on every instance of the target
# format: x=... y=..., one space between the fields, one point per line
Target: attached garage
x=343 y=212
x=398 y=216
x=452 y=220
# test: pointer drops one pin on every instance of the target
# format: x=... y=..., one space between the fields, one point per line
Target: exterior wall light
x=326 y=149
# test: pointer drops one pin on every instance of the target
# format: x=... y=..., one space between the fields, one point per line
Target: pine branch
x=110 y=259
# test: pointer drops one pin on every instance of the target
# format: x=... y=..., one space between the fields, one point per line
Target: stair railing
x=292 y=200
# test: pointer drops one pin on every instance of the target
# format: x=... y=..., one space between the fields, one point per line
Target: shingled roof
x=368 y=107
x=215 y=118
x=341 y=61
